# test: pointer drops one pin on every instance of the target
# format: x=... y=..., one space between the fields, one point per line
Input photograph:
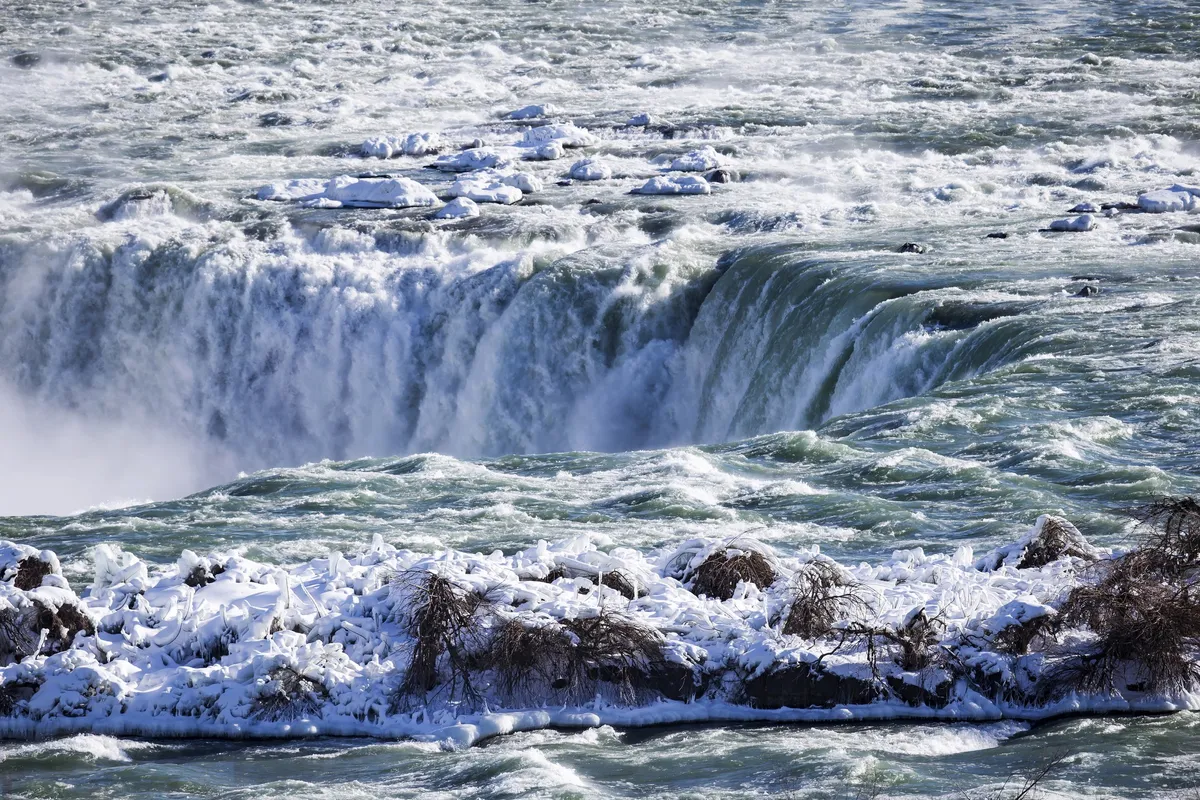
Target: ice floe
x=471 y=159
x=590 y=169
x=701 y=160
x=566 y=134
x=1176 y=198
x=415 y=144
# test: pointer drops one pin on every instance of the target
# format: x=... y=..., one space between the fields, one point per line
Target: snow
x=489 y=186
x=458 y=208
x=687 y=184
x=170 y=659
x=550 y=151
x=701 y=160
x=640 y=120
x=351 y=192
x=590 y=169
x=1084 y=222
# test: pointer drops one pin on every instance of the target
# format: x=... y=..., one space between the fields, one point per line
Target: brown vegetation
x=822 y=594
x=719 y=575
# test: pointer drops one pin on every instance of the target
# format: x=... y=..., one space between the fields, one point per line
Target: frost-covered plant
x=822 y=594
x=288 y=695
x=719 y=575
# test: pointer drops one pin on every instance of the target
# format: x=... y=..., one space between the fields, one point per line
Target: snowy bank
x=455 y=647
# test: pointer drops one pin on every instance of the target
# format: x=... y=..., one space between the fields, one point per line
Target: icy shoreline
x=224 y=647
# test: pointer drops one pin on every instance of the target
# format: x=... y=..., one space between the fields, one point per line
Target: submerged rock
x=912 y=247
x=1087 y=291
x=997 y=235
x=721 y=175
x=25 y=60
x=706 y=158
x=458 y=208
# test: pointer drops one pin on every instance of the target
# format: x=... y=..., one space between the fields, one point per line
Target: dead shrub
x=573 y=657
x=1173 y=528
x=289 y=696
x=719 y=575
x=17 y=639
x=911 y=645
x=200 y=576
x=442 y=619
x=1017 y=640
x=616 y=580
x=822 y=594
x=1147 y=629
x=30 y=572
x=1056 y=539
x=13 y=693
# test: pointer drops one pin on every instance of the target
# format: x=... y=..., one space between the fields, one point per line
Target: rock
x=997 y=235
x=1090 y=59
x=458 y=208
x=641 y=120
x=590 y=169
x=1087 y=291
x=1084 y=208
x=688 y=184
x=1120 y=205
x=566 y=134
x=721 y=175
x=471 y=160
x=292 y=190
x=806 y=686
x=701 y=160
x=473 y=144
x=912 y=247
x=530 y=112
x=25 y=60
x=274 y=119
x=1085 y=222
x=1163 y=201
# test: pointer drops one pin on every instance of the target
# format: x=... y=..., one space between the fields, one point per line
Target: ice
x=590 y=169
x=550 y=151
x=1163 y=201
x=566 y=134
x=701 y=160
x=687 y=184
x=292 y=190
x=475 y=158
x=640 y=120
x=531 y=112
x=1084 y=222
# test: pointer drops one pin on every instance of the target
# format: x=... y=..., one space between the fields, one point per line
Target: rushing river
x=183 y=365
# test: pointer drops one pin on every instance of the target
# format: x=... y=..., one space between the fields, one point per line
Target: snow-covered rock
x=490 y=186
x=1085 y=208
x=566 y=134
x=475 y=158
x=701 y=160
x=415 y=144
x=687 y=184
x=640 y=120
x=1084 y=222
x=1163 y=201
x=590 y=169
x=531 y=112
x=350 y=192
x=458 y=208
x=550 y=151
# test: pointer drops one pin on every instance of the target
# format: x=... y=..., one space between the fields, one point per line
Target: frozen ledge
x=457 y=647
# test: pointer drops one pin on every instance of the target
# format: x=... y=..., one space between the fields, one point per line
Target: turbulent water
x=636 y=369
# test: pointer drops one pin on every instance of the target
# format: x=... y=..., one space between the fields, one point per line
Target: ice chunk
x=590 y=169
x=566 y=134
x=471 y=160
x=687 y=184
x=1084 y=222
x=640 y=120
x=1163 y=201
x=458 y=208
x=531 y=112
x=701 y=160
x=378 y=193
